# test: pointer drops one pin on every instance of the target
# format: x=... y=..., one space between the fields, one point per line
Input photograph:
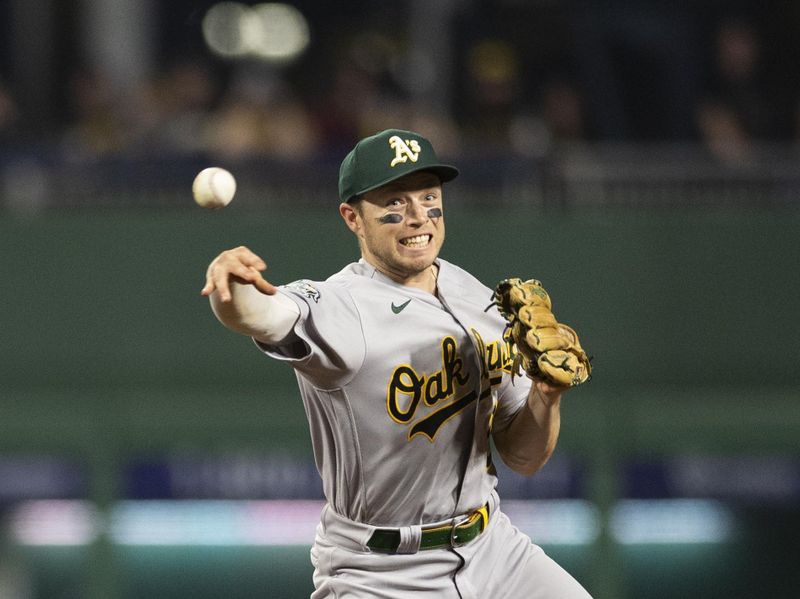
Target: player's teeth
x=418 y=240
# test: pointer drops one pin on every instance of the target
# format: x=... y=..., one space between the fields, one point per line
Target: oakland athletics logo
x=404 y=150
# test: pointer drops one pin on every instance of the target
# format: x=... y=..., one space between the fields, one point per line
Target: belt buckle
x=453 y=529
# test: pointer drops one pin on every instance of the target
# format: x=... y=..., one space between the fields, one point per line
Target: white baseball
x=213 y=187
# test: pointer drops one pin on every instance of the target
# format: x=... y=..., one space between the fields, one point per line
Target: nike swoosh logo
x=401 y=307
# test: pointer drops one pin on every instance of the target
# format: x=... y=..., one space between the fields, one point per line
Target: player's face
x=401 y=226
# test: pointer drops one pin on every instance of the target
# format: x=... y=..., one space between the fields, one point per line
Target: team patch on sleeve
x=304 y=288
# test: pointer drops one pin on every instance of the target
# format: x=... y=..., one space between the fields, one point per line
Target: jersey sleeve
x=328 y=347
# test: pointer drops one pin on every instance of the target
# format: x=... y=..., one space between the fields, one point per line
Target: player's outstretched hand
x=240 y=265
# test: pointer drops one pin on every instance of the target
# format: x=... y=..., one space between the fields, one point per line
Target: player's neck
x=427 y=280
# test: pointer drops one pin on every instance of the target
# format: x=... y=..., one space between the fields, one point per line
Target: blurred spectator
x=369 y=91
x=562 y=109
x=737 y=109
x=494 y=82
x=260 y=116
x=97 y=125
x=9 y=116
x=353 y=96
x=724 y=134
x=173 y=108
x=737 y=80
x=558 y=121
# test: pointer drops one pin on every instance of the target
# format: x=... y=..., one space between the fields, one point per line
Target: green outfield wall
x=113 y=300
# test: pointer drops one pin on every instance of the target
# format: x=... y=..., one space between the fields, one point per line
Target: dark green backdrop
x=113 y=300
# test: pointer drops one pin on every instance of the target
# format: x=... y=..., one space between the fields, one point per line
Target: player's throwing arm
x=244 y=301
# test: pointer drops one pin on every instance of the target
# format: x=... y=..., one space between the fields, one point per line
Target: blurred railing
x=677 y=176
x=633 y=177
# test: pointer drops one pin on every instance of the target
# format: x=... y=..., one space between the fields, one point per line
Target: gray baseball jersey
x=401 y=389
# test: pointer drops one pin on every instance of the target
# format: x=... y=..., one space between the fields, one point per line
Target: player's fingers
x=220 y=286
x=220 y=274
x=261 y=283
x=248 y=257
x=219 y=280
x=265 y=286
x=208 y=288
x=210 y=285
x=239 y=263
x=256 y=266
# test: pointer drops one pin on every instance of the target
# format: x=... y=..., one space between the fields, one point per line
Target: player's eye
x=431 y=197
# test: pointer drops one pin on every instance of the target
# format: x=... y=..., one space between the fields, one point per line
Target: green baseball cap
x=386 y=156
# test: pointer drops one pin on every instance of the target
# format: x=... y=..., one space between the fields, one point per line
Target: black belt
x=458 y=533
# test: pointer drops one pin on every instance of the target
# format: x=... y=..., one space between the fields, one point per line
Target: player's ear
x=350 y=215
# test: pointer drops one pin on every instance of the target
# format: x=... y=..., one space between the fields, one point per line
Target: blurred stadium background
x=147 y=452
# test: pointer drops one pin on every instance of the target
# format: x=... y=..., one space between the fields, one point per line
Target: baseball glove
x=546 y=349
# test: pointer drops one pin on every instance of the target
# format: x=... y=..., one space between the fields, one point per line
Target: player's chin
x=416 y=264
x=419 y=258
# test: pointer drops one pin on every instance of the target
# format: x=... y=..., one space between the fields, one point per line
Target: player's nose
x=416 y=213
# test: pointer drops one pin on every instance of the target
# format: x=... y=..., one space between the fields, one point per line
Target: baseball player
x=406 y=378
